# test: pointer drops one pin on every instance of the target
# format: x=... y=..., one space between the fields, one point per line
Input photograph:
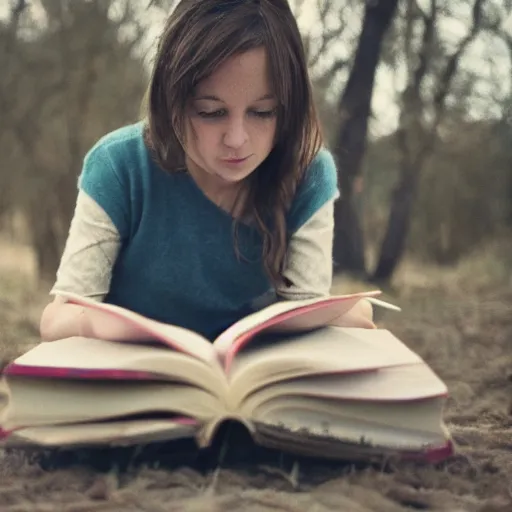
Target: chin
x=233 y=176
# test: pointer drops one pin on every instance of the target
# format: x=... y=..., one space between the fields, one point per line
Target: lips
x=235 y=160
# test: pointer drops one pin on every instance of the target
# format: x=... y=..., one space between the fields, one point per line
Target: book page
x=240 y=333
x=407 y=426
x=58 y=401
x=400 y=383
x=302 y=442
x=274 y=358
x=102 y=434
x=92 y=359
x=177 y=338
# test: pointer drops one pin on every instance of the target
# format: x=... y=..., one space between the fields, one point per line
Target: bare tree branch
x=326 y=79
x=412 y=105
x=10 y=54
x=415 y=139
x=327 y=38
x=418 y=10
x=127 y=12
x=18 y=8
x=429 y=27
x=497 y=26
x=13 y=24
x=323 y=6
x=450 y=70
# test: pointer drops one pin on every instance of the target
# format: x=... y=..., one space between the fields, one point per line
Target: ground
x=460 y=323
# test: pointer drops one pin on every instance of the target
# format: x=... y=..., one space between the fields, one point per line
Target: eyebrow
x=210 y=97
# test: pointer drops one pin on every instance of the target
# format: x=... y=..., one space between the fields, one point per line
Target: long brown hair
x=199 y=36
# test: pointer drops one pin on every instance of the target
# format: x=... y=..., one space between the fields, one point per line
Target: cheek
x=265 y=134
x=205 y=136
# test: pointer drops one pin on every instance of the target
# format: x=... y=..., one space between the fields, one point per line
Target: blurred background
x=415 y=98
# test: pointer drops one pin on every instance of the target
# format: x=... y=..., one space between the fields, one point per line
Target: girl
x=221 y=200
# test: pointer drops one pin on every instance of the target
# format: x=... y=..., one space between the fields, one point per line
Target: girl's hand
x=361 y=315
x=62 y=319
x=105 y=326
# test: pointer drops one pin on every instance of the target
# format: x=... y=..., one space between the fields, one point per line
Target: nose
x=235 y=135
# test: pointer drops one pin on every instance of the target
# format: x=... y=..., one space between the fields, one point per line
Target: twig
x=292 y=477
x=222 y=457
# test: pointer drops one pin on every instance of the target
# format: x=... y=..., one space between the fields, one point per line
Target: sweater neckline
x=211 y=204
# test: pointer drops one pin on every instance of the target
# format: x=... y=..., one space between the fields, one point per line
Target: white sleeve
x=91 y=250
x=308 y=265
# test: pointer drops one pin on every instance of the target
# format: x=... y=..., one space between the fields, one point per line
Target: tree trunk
x=354 y=108
x=394 y=243
x=45 y=241
x=348 y=238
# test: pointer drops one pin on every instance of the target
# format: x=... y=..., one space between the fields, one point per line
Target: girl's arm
x=62 y=320
x=86 y=268
x=309 y=270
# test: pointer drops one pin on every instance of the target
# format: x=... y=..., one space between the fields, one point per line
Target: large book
x=318 y=390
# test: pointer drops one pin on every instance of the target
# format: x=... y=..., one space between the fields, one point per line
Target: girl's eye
x=262 y=114
x=212 y=115
x=265 y=114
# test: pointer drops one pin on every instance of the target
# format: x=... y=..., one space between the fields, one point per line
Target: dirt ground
x=460 y=326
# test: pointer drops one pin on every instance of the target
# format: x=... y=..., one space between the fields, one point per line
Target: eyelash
x=262 y=114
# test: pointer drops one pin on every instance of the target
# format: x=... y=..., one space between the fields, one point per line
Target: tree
x=66 y=82
x=506 y=118
x=328 y=47
x=349 y=150
x=418 y=129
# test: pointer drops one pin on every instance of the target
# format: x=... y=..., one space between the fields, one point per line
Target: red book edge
x=56 y=372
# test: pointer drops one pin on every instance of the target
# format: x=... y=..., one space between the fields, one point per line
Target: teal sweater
x=177 y=262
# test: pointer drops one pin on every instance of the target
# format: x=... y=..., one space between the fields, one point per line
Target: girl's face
x=232 y=120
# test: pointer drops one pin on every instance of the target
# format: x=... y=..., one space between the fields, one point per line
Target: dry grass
x=21 y=300
x=20 y=306
x=459 y=320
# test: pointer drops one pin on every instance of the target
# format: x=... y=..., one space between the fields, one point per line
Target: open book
x=325 y=391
